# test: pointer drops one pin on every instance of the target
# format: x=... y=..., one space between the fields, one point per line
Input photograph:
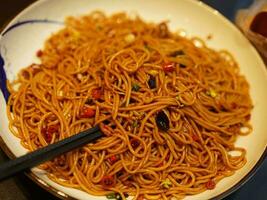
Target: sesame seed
x=129 y=38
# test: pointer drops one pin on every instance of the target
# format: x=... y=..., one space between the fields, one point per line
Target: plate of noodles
x=178 y=91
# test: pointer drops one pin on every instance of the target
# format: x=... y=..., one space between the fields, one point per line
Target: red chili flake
x=25 y=74
x=167 y=157
x=53 y=128
x=162 y=30
x=210 y=185
x=61 y=162
x=248 y=117
x=153 y=145
x=179 y=143
x=168 y=67
x=39 y=53
x=233 y=105
x=108 y=181
x=47 y=135
x=35 y=69
x=220 y=105
x=96 y=93
x=105 y=126
x=140 y=197
x=87 y=112
x=195 y=137
x=66 y=34
x=105 y=129
x=89 y=159
x=113 y=159
x=127 y=183
x=80 y=161
x=234 y=128
x=135 y=143
x=49 y=131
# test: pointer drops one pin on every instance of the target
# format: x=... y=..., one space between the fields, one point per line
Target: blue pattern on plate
x=3 y=79
x=31 y=22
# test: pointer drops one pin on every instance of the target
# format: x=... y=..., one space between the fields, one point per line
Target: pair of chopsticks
x=44 y=154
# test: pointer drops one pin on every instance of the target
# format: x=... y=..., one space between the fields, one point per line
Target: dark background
x=22 y=188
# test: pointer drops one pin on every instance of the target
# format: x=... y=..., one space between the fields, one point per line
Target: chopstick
x=39 y=156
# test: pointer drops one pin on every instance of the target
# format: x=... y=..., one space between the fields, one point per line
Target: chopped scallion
x=136 y=87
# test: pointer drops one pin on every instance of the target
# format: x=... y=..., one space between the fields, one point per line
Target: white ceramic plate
x=25 y=34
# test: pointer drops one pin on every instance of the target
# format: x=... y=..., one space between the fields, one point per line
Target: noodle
x=170 y=107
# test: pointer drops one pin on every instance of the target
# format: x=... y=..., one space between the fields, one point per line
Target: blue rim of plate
x=62 y=195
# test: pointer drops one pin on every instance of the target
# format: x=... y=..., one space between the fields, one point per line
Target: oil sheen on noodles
x=171 y=108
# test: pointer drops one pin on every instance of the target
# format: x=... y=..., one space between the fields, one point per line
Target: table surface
x=22 y=188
